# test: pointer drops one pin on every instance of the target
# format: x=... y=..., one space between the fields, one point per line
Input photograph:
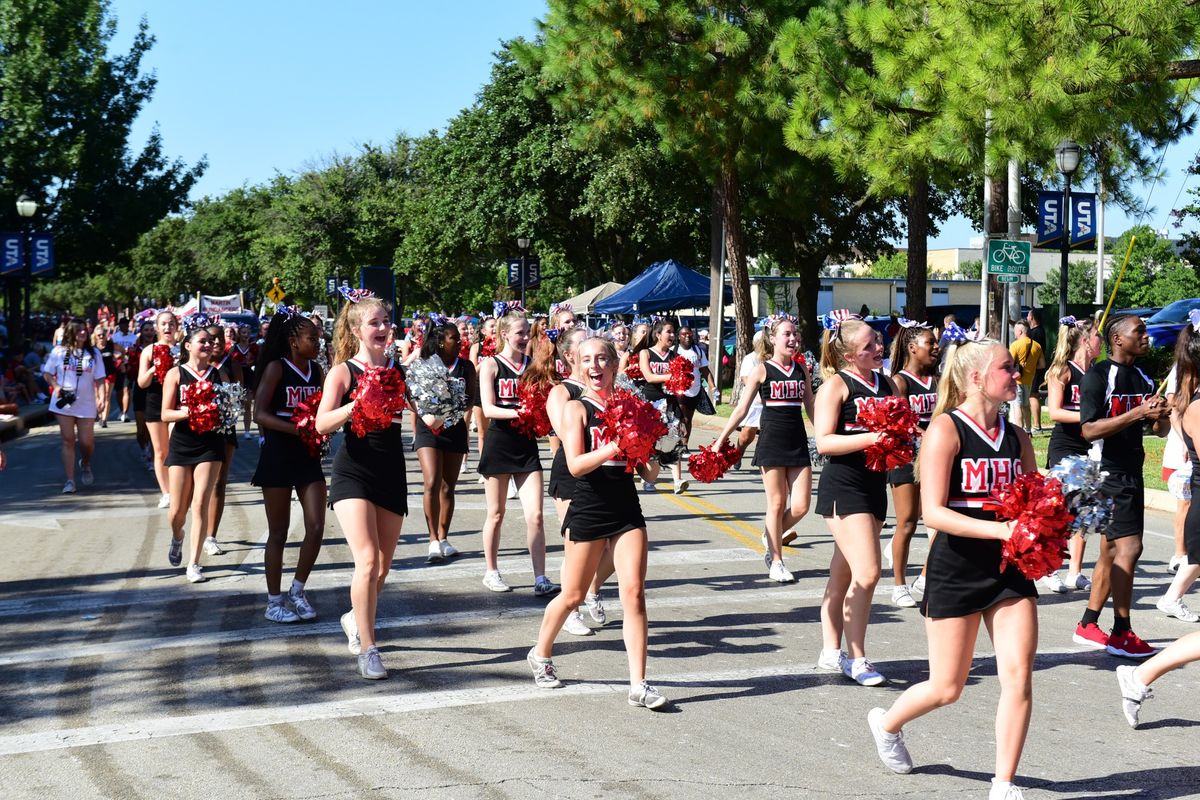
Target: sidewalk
x=26 y=418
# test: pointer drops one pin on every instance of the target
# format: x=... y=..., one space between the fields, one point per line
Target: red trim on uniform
x=993 y=442
x=926 y=385
x=874 y=389
x=511 y=365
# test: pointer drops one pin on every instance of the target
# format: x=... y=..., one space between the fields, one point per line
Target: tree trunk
x=918 y=248
x=808 y=270
x=997 y=224
x=731 y=209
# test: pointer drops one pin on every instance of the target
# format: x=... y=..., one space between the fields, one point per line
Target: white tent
x=585 y=303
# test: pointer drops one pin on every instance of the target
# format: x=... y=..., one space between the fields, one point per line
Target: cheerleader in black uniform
x=368 y=490
x=968 y=453
x=289 y=375
x=166 y=326
x=509 y=454
x=441 y=454
x=193 y=460
x=245 y=352
x=137 y=395
x=485 y=341
x=915 y=358
x=230 y=373
x=785 y=390
x=654 y=354
x=851 y=498
x=1076 y=351
x=604 y=507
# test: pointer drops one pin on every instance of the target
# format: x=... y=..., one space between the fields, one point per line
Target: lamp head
x=1066 y=155
x=26 y=206
x=523 y=243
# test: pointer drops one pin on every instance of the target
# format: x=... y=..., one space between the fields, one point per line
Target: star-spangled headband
x=194 y=322
x=780 y=316
x=552 y=335
x=954 y=333
x=557 y=307
x=834 y=319
x=1194 y=318
x=289 y=311
x=1068 y=321
x=911 y=323
x=437 y=320
x=355 y=295
x=502 y=307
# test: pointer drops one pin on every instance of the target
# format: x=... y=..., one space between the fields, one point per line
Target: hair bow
x=954 y=334
x=552 y=335
x=437 y=320
x=1194 y=318
x=834 y=319
x=289 y=311
x=557 y=307
x=502 y=307
x=195 y=321
x=911 y=323
x=780 y=316
x=355 y=295
x=1068 y=321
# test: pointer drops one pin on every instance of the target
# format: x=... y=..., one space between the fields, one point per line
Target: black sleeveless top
x=187 y=378
x=295 y=386
x=508 y=375
x=659 y=365
x=922 y=396
x=984 y=462
x=1067 y=437
x=859 y=393
x=782 y=394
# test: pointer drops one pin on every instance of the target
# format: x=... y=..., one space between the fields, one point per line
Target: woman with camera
x=72 y=371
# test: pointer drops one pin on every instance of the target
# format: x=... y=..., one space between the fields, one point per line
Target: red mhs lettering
x=982 y=475
x=1075 y=394
x=1118 y=404
x=599 y=438
x=786 y=390
x=297 y=394
x=506 y=389
x=923 y=404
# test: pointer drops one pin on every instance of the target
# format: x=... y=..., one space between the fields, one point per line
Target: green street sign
x=1008 y=279
x=1005 y=257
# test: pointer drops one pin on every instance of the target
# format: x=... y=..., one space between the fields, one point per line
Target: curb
x=26 y=418
x=1161 y=501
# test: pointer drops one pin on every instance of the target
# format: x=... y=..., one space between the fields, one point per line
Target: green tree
x=894 y=265
x=1081 y=285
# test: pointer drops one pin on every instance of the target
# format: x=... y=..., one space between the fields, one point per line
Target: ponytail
x=833 y=346
x=345 y=343
x=961 y=359
x=1069 y=337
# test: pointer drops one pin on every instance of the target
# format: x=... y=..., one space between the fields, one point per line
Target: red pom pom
x=487 y=348
x=634 y=371
x=681 y=375
x=464 y=350
x=160 y=358
x=1039 y=540
x=532 y=419
x=634 y=425
x=200 y=399
x=798 y=358
x=895 y=419
x=380 y=395
x=305 y=420
x=710 y=464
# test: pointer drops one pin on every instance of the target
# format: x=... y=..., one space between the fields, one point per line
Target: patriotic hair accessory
x=1068 y=321
x=1194 y=318
x=502 y=307
x=780 y=316
x=355 y=295
x=834 y=319
x=954 y=333
x=557 y=307
x=194 y=322
x=911 y=323
x=437 y=320
x=289 y=311
x=552 y=335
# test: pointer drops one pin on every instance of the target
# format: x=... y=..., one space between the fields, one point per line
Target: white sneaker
x=1176 y=562
x=1176 y=609
x=647 y=486
x=212 y=547
x=448 y=550
x=350 y=628
x=248 y=435
x=69 y=487
x=1054 y=583
x=1077 y=580
x=576 y=626
x=85 y=474
x=299 y=603
x=512 y=490
x=919 y=584
x=124 y=418
x=779 y=573
x=195 y=574
x=890 y=746
x=681 y=486
x=165 y=500
x=862 y=672
x=1008 y=792
x=1132 y=694
x=278 y=612
x=435 y=553
x=595 y=607
x=493 y=581
x=481 y=480
x=887 y=552
x=902 y=597
x=831 y=660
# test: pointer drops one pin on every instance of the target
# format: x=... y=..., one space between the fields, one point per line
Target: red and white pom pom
x=201 y=401
x=161 y=360
x=1039 y=540
x=532 y=418
x=895 y=419
x=380 y=396
x=635 y=425
x=634 y=371
x=305 y=420
x=681 y=376
x=713 y=461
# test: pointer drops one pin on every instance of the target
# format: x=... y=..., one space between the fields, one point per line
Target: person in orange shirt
x=1029 y=357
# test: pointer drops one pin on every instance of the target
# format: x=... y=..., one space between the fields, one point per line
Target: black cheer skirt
x=507 y=451
x=284 y=463
x=851 y=488
x=963 y=577
x=450 y=440
x=187 y=448
x=605 y=504
x=562 y=482
x=372 y=469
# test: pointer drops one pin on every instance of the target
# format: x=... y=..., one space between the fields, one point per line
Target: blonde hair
x=961 y=360
x=1069 y=338
x=764 y=344
x=834 y=345
x=610 y=350
x=345 y=343
x=507 y=321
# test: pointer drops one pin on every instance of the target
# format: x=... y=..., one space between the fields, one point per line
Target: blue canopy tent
x=665 y=286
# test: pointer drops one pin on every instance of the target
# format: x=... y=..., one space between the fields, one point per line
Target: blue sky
x=267 y=86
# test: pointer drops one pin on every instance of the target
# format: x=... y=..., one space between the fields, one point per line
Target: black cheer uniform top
x=605 y=501
x=562 y=482
x=846 y=485
x=1067 y=437
x=186 y=447
x=782 y=440
x=370 y=467
x=659 y=365
x=507 y=451
x=963 y=574
x=1109 y=390
x=284 y=461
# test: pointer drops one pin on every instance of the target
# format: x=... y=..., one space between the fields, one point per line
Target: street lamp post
x=523 y=245
x=1067 y=157
x=26 y=207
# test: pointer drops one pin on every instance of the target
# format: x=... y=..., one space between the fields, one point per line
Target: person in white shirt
x=72 y=371
x=688 y=401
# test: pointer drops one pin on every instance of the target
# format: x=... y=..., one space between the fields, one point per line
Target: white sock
x=297 y=586
x=538 y=579
x=1001 y=785
x=274 y=598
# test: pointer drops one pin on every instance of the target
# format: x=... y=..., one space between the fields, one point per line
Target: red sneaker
x=1090 y=635
x=1130 y=645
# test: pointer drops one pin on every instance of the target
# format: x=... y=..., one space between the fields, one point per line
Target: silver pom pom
x=1081 y=479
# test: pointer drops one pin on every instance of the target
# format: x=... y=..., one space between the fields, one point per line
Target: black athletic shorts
x=1129 y=505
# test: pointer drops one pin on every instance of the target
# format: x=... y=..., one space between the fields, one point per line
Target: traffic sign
x=1008 y=279
x=1006 y=257
x=276 y=294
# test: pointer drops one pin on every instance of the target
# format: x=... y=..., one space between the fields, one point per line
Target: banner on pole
x=1083 y=218
x=1050 y=221
x=41 y=247
x=224 y=304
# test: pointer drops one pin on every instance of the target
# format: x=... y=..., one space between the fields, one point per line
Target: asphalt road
x=118 y=679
